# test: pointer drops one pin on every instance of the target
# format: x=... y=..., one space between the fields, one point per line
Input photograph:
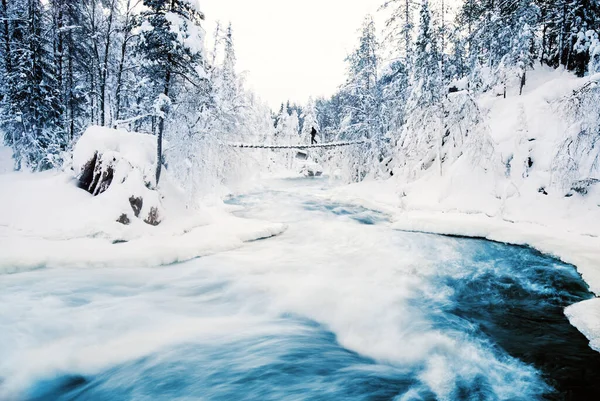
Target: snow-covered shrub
x=467 y=133
x=438 y=135
x=578 y=156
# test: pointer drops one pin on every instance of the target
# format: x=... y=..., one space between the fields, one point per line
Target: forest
x=142 y=65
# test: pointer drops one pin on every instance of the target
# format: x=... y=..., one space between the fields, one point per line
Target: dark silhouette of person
x=313 y=134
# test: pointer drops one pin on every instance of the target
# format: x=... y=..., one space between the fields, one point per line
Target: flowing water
x=339 y=307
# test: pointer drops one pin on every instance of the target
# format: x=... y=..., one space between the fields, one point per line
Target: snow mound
x=119 y=166
x=138 y=149
x=50 y=221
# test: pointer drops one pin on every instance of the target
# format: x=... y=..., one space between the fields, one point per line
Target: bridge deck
x=318 y=145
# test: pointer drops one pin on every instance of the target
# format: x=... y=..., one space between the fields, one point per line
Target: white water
x=378 y=291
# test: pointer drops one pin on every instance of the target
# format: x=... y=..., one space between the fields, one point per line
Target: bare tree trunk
x=119 y=87
x=443 y=34
x=161 y=128
x=59 y=46
x=95 y=72
x=104 y=69
x=6 y=34
x=544 y=29
x=563 y=34
x=70 y=100
x=407 y=27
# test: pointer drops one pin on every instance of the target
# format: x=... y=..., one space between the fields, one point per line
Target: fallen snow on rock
x=46 y=220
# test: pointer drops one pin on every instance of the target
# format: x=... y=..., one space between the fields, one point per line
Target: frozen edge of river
x=23 y=253
x=47 y=221
x=580 y=250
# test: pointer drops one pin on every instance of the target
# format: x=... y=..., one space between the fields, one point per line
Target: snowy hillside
x=529 y=193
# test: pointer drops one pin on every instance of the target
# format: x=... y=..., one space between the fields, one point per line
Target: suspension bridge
x=298 y=146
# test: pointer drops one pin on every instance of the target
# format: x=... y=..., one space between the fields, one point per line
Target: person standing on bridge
x=313 y=134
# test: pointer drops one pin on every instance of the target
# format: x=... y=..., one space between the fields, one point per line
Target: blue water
x=340 y=307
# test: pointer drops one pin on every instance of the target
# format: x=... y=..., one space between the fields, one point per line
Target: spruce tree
x=400 y=24
x=426 y=74
x=33 y=113
x=362 y=100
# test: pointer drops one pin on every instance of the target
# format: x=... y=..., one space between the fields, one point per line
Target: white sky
x=290 y=50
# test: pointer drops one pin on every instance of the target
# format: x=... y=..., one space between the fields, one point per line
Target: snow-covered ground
x=6 y=163
x=47 y=221
x=528 y=205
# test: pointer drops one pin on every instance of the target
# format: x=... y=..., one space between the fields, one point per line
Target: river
x=339 y=307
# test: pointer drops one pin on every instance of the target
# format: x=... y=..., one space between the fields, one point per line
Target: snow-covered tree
x=426 y=79
x=400 y=25
x=362 y=102
x=228 y=93
x=171 y=43
x=577 y=158
x=309 y=121
x=421 y=139
x=32 y=109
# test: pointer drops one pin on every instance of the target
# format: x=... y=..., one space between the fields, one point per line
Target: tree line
x=413 y=109
x=139 y=64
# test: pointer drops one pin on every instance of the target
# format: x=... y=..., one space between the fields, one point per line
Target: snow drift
x=49 y=221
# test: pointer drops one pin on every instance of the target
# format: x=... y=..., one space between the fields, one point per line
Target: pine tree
x=426 y=74
x=400 y=24
x=394 y=93
x=362 y=101
x=126 y=36
x=421 y=138
x=33 y=114
x=7 y=70
x=227 y=87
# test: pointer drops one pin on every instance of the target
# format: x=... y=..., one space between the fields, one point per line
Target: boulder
x=136 y=204
x=153 y=217
x=97 y=174
x=125 y=163
x=582 y=186
x=124 y=219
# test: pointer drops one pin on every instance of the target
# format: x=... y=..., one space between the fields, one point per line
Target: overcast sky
x=290 y=50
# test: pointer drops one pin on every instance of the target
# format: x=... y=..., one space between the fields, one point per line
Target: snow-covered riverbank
x=339 y=305
x=46 y=220
x=528 y=192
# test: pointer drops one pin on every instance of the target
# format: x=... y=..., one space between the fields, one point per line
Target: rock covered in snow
x=130 y=149
x=97 y=174
x=120 y=164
